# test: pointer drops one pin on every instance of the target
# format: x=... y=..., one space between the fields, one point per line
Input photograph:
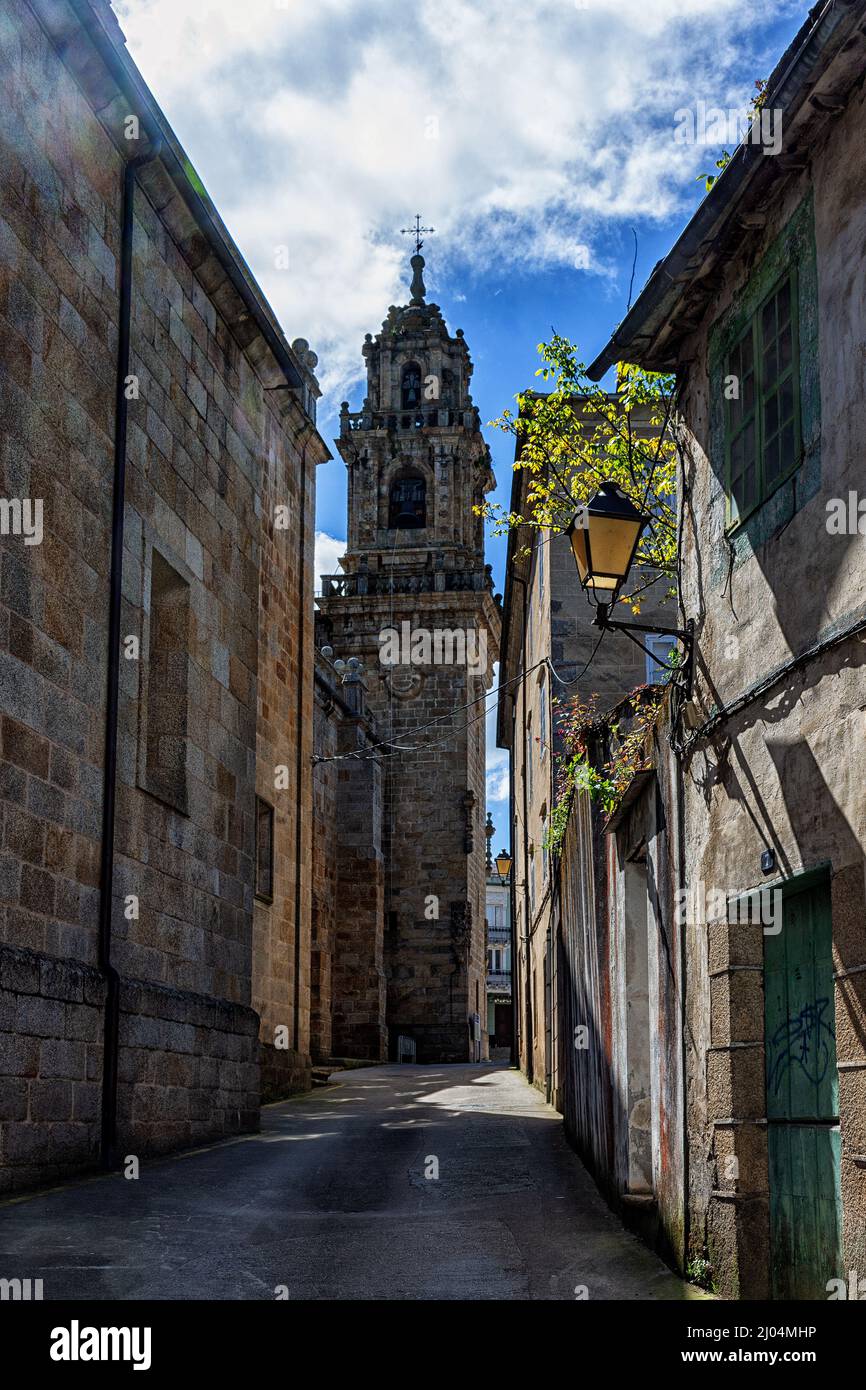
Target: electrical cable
x=385 y=743
x=585 y=668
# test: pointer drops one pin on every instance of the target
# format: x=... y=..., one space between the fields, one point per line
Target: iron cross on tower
x=417 y=232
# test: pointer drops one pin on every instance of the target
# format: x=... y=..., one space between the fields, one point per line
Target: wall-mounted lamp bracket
x=685 y=635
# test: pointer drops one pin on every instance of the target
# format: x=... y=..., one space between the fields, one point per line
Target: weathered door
x=802 y=1098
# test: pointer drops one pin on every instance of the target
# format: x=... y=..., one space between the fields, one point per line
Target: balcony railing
x=499 y=979
x=427 y=582
x=424 y=418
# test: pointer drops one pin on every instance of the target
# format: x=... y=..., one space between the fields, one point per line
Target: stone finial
x=418 y=290
x=353 y=689
x=307 y=362
x=489 y=831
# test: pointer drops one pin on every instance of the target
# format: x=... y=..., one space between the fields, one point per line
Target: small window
x=264 y=850
x=662 y=649
x=410 y=387
x=407 y=504
x=166 y=712
x=762 y=423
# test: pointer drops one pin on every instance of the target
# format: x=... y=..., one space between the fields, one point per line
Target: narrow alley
x=337 y=1198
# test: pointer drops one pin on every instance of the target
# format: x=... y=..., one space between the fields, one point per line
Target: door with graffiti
x=802 y=1098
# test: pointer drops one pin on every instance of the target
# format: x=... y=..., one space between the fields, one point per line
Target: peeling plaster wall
x=620 y=979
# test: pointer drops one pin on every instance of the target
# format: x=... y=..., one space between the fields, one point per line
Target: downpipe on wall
x=528 y=1001
x=111 y=1035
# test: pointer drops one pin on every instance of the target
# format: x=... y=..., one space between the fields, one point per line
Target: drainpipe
x=299 y=729
x=512 y=905
x=530 y=1071
x=681 y=873
x=108 y=1135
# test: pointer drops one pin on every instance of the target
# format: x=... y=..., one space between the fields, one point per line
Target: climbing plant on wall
x=602 y=751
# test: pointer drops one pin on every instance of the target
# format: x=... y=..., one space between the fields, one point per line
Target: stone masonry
x=417 y=465
x=347 y=959
x=208 y=676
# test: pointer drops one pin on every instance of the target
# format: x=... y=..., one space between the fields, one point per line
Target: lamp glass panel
x=578 y=545
x=611 y=544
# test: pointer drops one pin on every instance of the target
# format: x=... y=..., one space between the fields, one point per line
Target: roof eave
x=806 y=60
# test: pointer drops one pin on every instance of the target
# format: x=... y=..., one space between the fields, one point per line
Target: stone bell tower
x=415 y=604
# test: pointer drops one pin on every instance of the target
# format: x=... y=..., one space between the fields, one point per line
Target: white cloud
x=309 y=121
x=497 y=774
x=328 y=551
x=497 y=758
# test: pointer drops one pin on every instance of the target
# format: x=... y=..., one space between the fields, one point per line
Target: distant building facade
x=500 y=1005
x=348 y=986
x=414 y=606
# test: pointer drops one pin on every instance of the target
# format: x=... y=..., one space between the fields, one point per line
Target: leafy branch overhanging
x=576 y=435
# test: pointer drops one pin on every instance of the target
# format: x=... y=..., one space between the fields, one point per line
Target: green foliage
x=709 y=179
x=577 y=436
x=699 y=1271
x=624 y=732
x=754 y=106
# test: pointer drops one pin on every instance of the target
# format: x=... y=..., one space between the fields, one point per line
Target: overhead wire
x=390 y=747
x=487 y=695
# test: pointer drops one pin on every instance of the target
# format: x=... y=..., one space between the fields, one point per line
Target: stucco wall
x=787 y=772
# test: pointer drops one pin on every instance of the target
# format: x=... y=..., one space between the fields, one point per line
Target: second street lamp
x=604 y=536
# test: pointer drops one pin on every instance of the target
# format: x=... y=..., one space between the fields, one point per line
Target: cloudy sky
x=532 y=136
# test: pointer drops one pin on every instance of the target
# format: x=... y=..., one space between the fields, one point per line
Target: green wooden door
x=802 y=1098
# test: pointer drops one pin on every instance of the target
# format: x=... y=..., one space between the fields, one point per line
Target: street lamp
x=503 y=863
x=604 y=536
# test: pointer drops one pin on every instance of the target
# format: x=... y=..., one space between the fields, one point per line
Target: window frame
x=166 y=585
x=418 y=480
x=265 y=896
x=654 y=658
x=735 y=518
x=408 y=367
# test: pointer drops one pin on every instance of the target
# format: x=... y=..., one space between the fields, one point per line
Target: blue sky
x=533 y=137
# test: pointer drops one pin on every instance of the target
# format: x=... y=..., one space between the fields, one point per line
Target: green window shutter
x=762 y=426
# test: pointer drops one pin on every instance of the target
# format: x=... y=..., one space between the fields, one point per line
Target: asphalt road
x=339 y=1198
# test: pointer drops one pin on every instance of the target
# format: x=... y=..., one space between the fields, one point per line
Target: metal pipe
x=512 y=905
x=528 y=1001
x=299 y=731
x=108 y=1132
x=680 y=786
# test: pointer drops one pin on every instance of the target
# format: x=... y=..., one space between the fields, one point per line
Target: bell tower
x=414 y=603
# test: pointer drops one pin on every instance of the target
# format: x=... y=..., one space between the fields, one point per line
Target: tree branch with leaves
x=576 y=436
